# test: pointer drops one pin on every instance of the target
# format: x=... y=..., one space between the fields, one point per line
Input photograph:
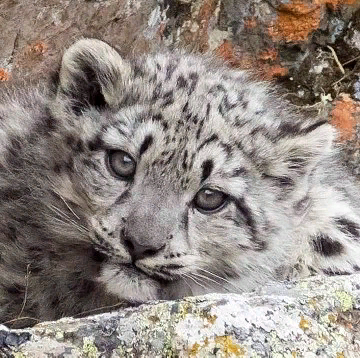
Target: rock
x=316 y=317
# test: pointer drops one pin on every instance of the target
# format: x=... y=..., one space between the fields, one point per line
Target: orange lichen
x=229 y=347
x=4 y=75
x=342 y=116
x=304 y=324
x=239 y=59
x=38 y=48
x=206 y=12
x=244 y=60
x=250 y=22
x=295 y=21
x=226 y=52
x=275 y=71
x=335 y=3
x=194 y=350
x=269 y=54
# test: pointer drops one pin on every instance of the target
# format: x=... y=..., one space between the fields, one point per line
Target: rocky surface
x=317 y=317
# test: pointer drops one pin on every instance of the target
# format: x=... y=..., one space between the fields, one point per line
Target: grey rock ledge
x=316 y=317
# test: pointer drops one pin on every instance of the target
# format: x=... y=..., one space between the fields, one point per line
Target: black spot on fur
x=98 y=256
x=79 y=147
x=11 y=194
x=12 y=232
x=54 y=302
x=168 y=99
x=207 y=141
x=138 y=72
x=238 y=172
x=217 y=89
x=129 y=99
x=244 y=104
x=157 y=92
x=15 y=289
x=70 y=140
x=86 y=287
x=185 y=220
x=96 y=143
x=192 y=160
x=333 y=272
x=207 y=168
x=325 y=246
x=158 y=117
x=313 y=127
x=166 y=127
x=296 y=163
x=146 y=144
x=184 y=163
x=225 y=106
x=15 y=143
x=123 y=197
x=48 y=123
x=289 y=129
x=169 y=71
x=348 y=227
x=227 y=148
x=194 y=78
x=69 y=165
x=260 y=112
x=169 y=159
x=181 y=82
x=301 y=205
x=247 y=215
x=282 y=182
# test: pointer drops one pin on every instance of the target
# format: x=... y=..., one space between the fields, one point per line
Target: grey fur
x=68 y=224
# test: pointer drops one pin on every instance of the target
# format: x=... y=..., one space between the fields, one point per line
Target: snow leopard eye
x=209 y=200
x=121 y=164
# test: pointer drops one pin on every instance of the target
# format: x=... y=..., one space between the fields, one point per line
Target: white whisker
x=194 y=280
x=68 y=206
x=218 y=277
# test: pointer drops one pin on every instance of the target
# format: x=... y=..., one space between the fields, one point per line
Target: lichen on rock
x=314 y=317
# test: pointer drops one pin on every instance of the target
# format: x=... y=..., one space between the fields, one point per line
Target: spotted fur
x=77 y=238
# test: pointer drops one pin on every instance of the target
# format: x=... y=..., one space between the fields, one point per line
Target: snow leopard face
x=166 y=176
x=187 y=177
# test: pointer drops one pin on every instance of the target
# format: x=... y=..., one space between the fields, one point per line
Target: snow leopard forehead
x=187 y=113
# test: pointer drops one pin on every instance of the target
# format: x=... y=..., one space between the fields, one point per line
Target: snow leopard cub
x=159 y=178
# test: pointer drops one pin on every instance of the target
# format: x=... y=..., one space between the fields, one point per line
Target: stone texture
x=317 y=317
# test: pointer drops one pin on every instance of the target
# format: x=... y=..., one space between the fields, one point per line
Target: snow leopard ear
x=297 y=153
x=91 y=74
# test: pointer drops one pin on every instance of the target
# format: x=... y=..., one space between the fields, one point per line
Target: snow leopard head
x=188 y=177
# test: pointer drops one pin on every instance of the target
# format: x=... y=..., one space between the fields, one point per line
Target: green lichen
x=19 y=355
x=184 y=309
x=168 y=349
x=59 y=336
x=346 y=300
x=89 y=348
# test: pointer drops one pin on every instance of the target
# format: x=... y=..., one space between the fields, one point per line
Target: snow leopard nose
x=138 y=250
